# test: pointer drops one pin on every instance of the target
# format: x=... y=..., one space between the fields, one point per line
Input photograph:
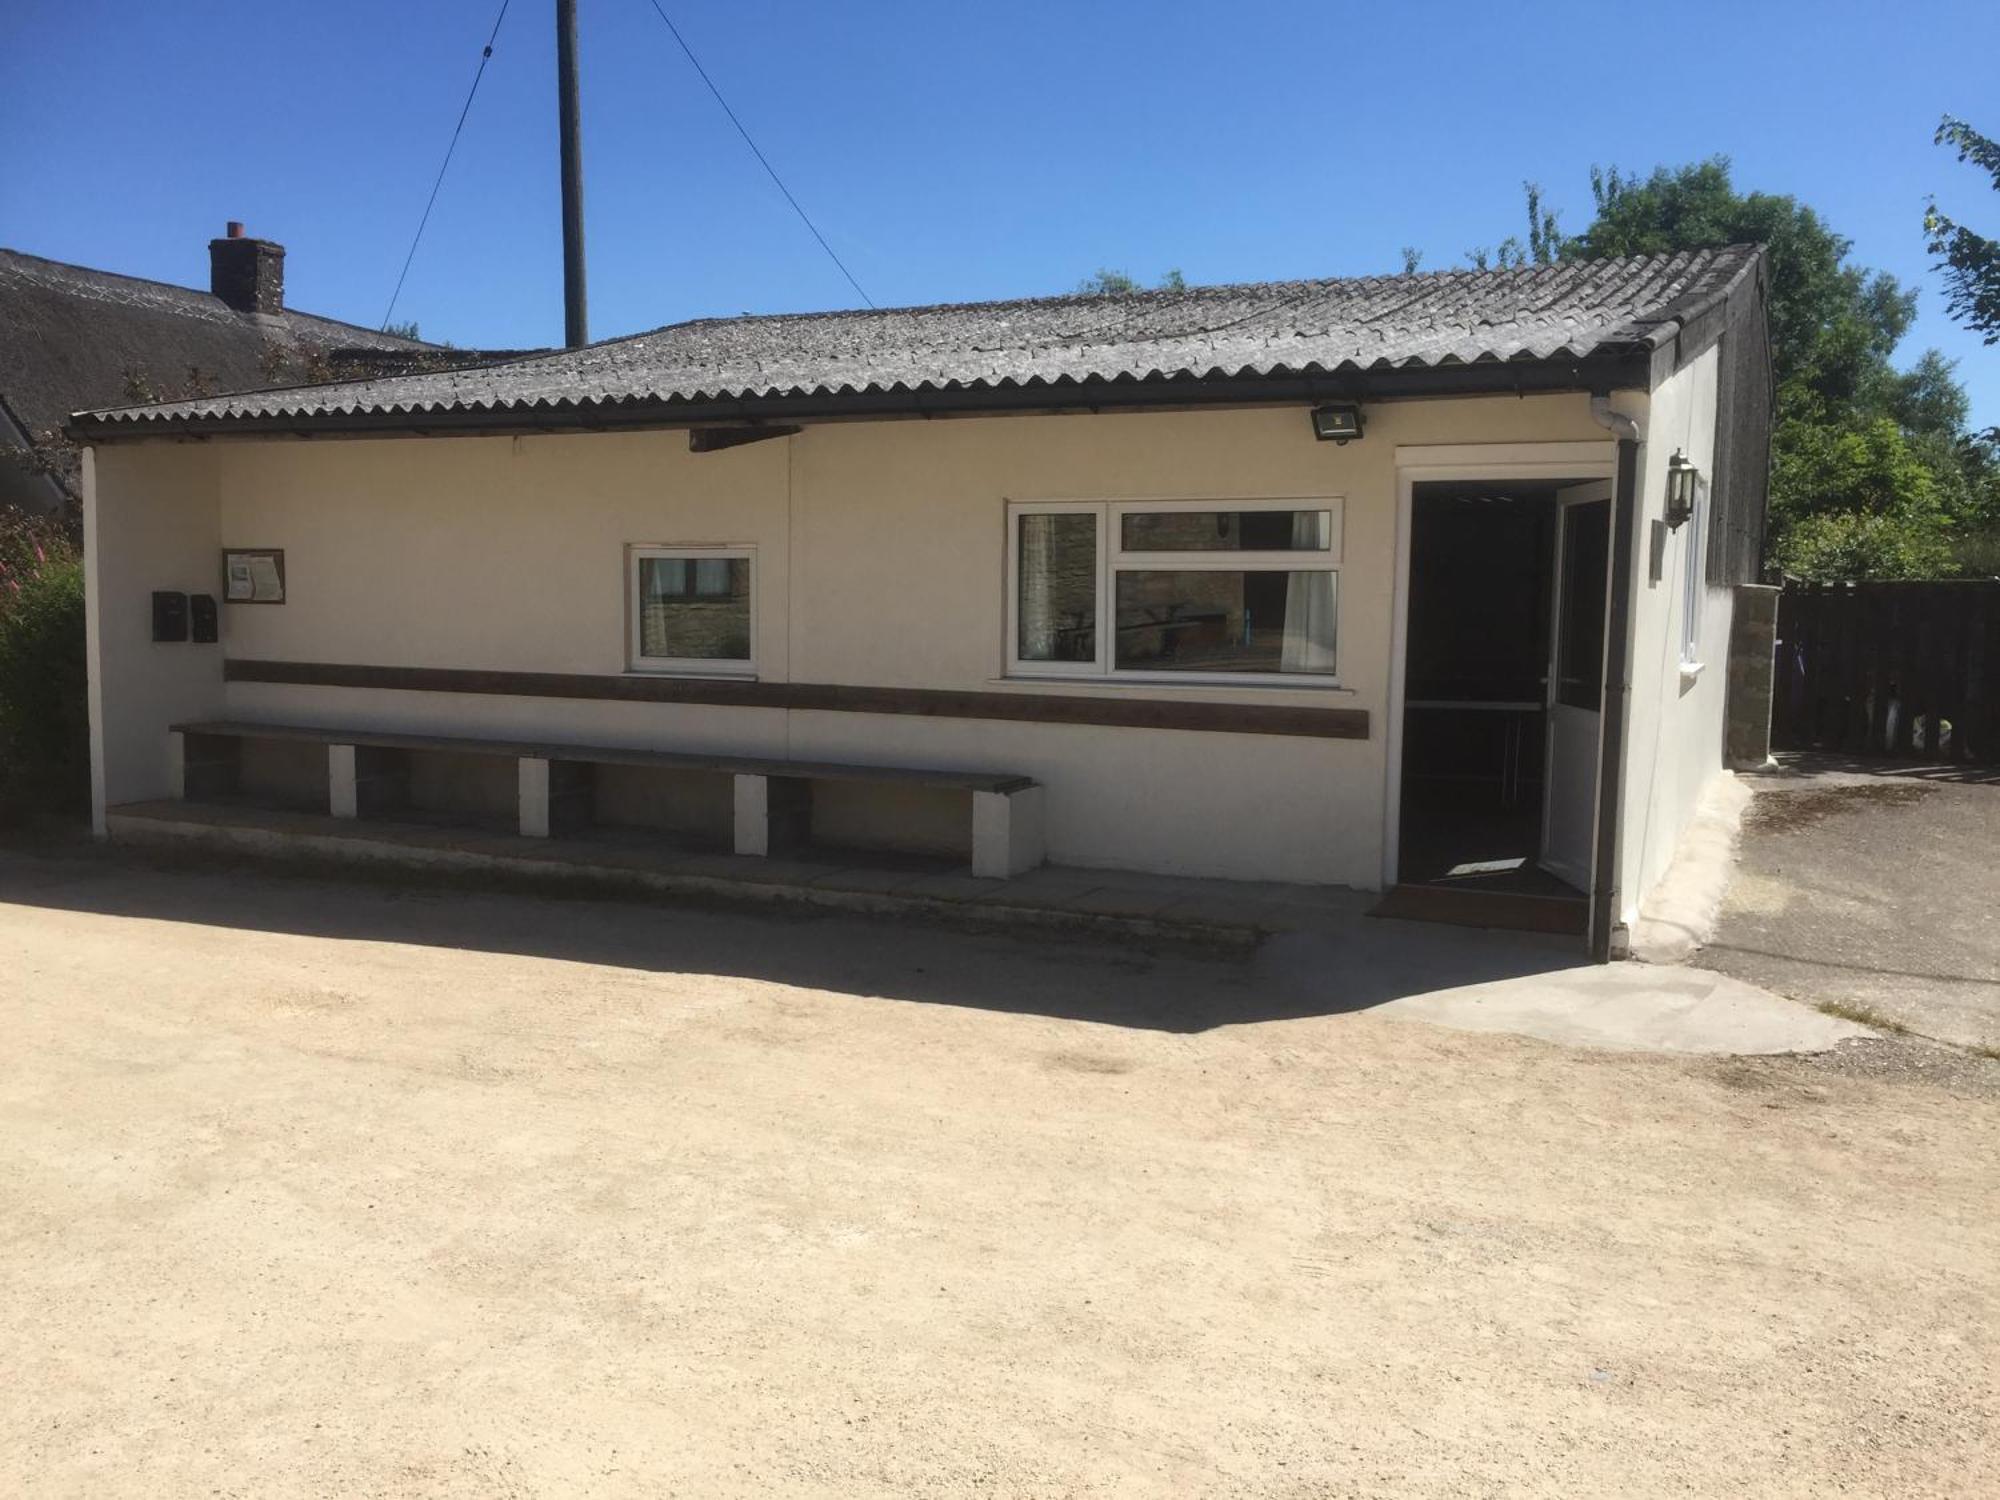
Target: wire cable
x=418 y=238
x=763 y=160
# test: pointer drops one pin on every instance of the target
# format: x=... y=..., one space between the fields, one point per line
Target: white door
x=1576 y=680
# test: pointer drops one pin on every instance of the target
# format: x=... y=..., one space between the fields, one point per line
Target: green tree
x=1863 y=502
x=1106 y=282
x=1873 y=474
x=1833 y=325
x=1970 y=262
x=1926 y=398
x=1543 y=246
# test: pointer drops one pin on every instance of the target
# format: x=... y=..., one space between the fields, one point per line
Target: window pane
x=1261 y=621
x=695 y=609
x=1057 y=608
x=1586 y=554
x=711 y=576
x=668 y=578
x=1226 y=531
x=1691 y=581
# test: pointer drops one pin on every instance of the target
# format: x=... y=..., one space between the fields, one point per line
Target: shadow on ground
x=1346 y=962
x=1812 y=763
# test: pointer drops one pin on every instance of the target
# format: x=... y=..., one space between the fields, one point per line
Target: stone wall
x=1753 y=644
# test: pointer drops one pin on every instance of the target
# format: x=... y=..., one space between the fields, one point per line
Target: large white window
x=1174 y=590
x=691 y=609
x=1694 y=583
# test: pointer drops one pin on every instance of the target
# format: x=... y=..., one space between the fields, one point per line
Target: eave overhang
x=1599 y=373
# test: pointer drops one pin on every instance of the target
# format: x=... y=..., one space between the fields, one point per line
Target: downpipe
x=1609 y=938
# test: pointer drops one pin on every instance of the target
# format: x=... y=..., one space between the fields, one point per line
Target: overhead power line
x=484 y=57
x=762 y=160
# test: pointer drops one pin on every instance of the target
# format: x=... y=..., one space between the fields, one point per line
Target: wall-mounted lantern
x=1339 y=422
x=1682 y=477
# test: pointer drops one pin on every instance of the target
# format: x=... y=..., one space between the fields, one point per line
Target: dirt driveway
x=1873 y=890
x=340 y=1190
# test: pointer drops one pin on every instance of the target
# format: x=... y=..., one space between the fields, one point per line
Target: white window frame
x=1694 y=585
x=1112 y=559
x=685 y=666
x=1016 y=667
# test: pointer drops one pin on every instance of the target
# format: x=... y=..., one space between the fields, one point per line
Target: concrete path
x=1507 y=982
x=1873 y=889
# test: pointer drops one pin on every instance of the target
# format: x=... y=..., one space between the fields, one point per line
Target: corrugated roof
x=1539 y=315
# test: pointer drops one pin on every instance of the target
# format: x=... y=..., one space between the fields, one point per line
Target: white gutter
x=1616 y=422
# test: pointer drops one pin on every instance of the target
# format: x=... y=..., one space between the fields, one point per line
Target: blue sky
x=949 y=151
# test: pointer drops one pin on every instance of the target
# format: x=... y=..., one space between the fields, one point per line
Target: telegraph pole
x=576 y=321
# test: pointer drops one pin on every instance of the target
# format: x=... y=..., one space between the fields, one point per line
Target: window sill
x=1153 y=683
x=698 y=673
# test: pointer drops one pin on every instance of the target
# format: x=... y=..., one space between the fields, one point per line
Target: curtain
x=1309 y=605
x=1037 y=609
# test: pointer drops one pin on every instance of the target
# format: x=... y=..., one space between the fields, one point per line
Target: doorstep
x=1232 y=915
x=1462 y=906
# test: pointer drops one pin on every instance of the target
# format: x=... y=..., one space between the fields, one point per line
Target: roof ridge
x=208 y=300
x=70 y=265
x=1149 y=294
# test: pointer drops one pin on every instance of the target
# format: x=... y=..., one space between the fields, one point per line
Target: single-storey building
x=1424 y=583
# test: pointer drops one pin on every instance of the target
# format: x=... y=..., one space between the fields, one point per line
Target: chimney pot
x=247 y=274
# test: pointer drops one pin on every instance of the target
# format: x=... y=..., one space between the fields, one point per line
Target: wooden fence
x=1910 y=670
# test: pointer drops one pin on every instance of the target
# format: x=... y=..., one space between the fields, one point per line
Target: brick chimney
x=247 y=274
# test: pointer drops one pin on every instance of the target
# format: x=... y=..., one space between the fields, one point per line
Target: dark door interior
x=1586 y=548
x=1475 y=686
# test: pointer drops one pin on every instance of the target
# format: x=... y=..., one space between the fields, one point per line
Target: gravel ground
x=1873 y=891
x=309 y=1189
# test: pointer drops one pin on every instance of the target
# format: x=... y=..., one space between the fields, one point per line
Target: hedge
x=44 y=719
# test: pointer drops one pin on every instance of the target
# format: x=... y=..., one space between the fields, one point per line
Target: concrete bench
x=368 y=777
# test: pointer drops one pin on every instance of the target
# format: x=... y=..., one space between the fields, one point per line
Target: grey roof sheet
x=70 y=336
x=1552 y=313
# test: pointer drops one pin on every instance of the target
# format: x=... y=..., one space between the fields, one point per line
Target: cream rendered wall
x=1674 y=735
x=503 y=553
x=880 y=561
x=149 y=522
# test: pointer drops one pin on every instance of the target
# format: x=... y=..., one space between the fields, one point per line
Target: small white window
x=1219 y=591
x=691 y=609
x=1693 y=584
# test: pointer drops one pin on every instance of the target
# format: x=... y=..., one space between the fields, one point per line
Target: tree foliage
x=44 y=729
x=1833 y=324
x=1543 y=246
x=1107 y=282
x=1969 y=261
x=1873 y=472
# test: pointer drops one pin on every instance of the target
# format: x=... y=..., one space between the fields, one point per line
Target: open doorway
x=1499 y=757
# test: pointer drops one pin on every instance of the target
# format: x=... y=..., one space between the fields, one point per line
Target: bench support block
x=342 y=793
x=773 y=813
x=1006 y=832
x=366 y=781
x=555 y=796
